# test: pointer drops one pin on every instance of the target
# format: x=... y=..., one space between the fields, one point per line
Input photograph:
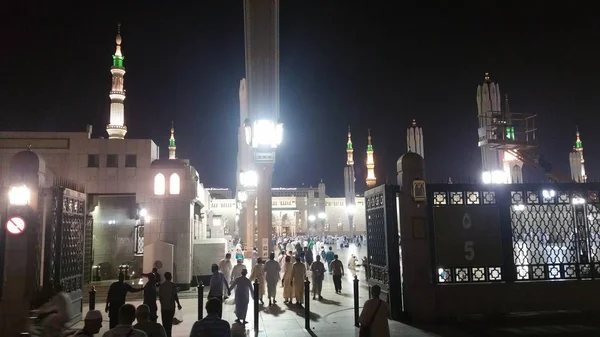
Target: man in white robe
x=298 y=274
x=243 y=287
x=225 y=267
x=272 y=275
x=237 y=270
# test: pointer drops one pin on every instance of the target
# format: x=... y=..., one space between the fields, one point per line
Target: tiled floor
x=334 y=316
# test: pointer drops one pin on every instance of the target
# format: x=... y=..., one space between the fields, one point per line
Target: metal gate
x=64 y=244
x=514 y=233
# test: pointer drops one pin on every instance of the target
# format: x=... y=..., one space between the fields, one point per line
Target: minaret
x=172 y=146
x=576 y=160
x=414 y=139
x=488 y=110
x=349 y=150
x=350 y=183
x=116 y=129
x=371 y=180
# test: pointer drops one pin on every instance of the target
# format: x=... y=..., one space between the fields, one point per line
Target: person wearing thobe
x=225 y=267
x=258 y=273
x=272 y=270
x=237 y=270
x=243 y=287
x=352 y=265
x=318 y=274
x=375 y=314
x=308 y=256
x=254 y=257
x=217 y=284
x=289 y=247
x=328 y=258
x=281 y=260
x=288 y=290
x=298 y=275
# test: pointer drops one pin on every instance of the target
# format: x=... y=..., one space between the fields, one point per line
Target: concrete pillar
x=250 y=238
x=22 y=251
x=418 y=290
x=265 y=214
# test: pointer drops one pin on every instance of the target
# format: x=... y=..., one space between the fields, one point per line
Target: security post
x=306 y=304
x=200 y=300
x=256 y=294
x=356 y=314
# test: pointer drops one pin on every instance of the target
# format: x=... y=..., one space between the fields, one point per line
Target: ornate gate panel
x=64 y=246
x=383 y=250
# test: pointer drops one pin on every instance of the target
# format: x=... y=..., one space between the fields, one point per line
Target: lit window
x=173 y=184
x=159 y=184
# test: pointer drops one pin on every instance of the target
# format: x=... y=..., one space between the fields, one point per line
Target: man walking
x=318 y=274
x=243 y=287
x=272 y=275
x=329 y=256
x=226 y=267
x=167 y=295
x=337 y=268
x=217 y=282
x=298 y=274
x=117 y=293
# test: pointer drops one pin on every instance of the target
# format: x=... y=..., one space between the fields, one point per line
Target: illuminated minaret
x=349 y=183
x=576 y=161
x=349 y=150
x=489 y=110
x=172 y=146
x=371 y=179
x=116 y=129
x=414 y=139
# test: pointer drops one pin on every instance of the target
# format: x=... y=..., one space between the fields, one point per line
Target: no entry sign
x=15 y=225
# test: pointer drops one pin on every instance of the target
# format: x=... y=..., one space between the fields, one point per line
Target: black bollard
x=200 y=300
x=307 y=304
x=256 y=294
x=356 y=314
x=92 y=301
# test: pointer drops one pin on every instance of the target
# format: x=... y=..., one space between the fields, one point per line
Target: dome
x=409 y=158
x=26 y=161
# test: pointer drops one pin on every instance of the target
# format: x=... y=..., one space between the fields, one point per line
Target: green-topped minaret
x=371 y=179
x=116 y=128
x=576 y=160
x=349 y=150
x=172 y=146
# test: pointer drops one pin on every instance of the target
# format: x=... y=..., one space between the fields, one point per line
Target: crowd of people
x=282 y=276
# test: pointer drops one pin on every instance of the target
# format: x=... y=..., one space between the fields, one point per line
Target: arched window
x=159 y=184
x=174 y=185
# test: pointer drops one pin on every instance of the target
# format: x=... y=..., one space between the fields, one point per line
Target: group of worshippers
x=165 y=291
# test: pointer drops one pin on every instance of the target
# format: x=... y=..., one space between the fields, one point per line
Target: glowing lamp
x=548 y=194
x=242 y=196
x=322 y=215
x=350 y=209
x=19 y=195
x=267 y=133
x=249 y=179
x=143 y=212
x=311 y=218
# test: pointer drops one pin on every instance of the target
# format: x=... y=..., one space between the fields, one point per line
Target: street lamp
x=350 y=211
x=249 y=179
x=322 y=216
x=19 y=195
x=242 y=196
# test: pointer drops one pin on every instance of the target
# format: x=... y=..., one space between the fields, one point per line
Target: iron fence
x=512 y=233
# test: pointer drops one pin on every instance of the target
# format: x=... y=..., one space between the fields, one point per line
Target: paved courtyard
x=333 y=316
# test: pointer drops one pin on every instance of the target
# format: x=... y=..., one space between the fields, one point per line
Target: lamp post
x=264 y=136
x=247 y=197
x=350 y=211
x=311 y=221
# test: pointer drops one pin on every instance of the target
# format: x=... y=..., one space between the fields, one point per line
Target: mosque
x=146 y=211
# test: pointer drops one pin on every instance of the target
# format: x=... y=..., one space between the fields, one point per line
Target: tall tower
x=172 y=146
x=414 y=139
x=349 y=183
x=261 y=32
x=489 y=110
x=371 y=179
x=576 y=160
x=116 y=129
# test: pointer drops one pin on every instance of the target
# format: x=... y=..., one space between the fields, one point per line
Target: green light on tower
x=118 y=61
x=510 y=132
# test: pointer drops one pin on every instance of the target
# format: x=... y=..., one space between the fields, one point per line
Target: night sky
x=342 y=63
